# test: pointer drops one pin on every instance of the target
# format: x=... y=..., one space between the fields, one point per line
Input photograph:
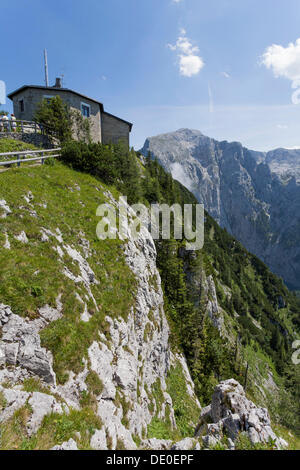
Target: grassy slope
x=11 y=145
x=31 y=274
x=30 y=277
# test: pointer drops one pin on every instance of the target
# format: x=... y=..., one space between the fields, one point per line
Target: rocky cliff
x=118 y=386
x=254 y=195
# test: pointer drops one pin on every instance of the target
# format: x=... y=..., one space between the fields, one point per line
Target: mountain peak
x=183 y=133
x=186 y=130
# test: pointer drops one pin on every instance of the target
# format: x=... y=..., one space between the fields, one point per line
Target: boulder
x=20 y=345
x=42 y=405
x=232 y=413
x=205 y=418
x=69 y=445
x=156 y=444
x=186 y=444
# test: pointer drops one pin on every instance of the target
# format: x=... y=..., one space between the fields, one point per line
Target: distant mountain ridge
x=254 y=195
x=283 y=162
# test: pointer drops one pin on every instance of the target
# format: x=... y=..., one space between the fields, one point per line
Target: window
x=85 y=110
x=21 y=106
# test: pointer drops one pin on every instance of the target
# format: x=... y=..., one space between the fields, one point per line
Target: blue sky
x=230 y=68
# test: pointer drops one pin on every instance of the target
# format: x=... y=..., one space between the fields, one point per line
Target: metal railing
x=42 y=157
x=23 y=127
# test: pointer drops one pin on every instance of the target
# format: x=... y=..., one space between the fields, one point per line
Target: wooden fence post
x=18 y=158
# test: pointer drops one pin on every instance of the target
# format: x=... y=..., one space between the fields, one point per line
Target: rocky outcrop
x=156 y=444
x=255 y=196
x=231 y=414
x=41 y=405
x=20 y=345
x=4 y=209
x=186 y=444
x=212 y=306
x=68 y=445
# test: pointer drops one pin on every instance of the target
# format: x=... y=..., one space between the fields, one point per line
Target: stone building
x=105 y=127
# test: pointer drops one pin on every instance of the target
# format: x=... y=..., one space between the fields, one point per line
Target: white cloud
x=2 y=92
x=190 y=62
x=190 y=65
x=282 y=126
x=283 y=61
x=226 y=75
x=176 y=1
x=171 y=47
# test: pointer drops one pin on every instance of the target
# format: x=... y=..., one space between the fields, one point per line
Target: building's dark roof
x=50 y=88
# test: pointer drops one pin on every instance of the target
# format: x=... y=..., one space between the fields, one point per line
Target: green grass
x=2 y=401
x=12 y=145
x=13 y=432
x=157 y=395
x=186 y=410
x=291 y=438
x=31 y=274
x=34 y=385
x=55 y=430
x=94 y=383
x=243 y=443
x=160 y=429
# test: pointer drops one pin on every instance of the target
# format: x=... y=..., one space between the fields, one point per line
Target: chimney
x=57 y=83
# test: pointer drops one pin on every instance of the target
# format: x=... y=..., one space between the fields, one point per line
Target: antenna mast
x=46 y=68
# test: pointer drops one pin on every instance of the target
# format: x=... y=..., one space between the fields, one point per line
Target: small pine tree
x=55 y=116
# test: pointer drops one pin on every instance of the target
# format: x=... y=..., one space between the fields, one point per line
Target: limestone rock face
x=156 y=444
x=254 y=195
x=212 y=306
x=186 y=444
x=131 y=360
x=69 y=445
x=41 y=405
x=205 y=285
x=232 y=413
x=134 y=360
x=4 y=209
x=98 y=441
x=14 y=400
x=20 y=345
